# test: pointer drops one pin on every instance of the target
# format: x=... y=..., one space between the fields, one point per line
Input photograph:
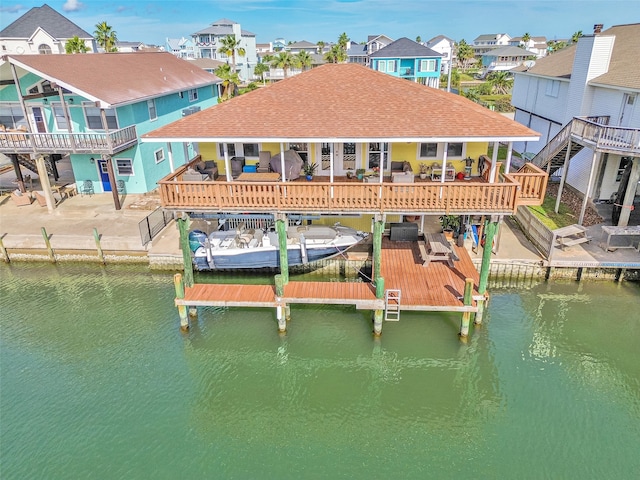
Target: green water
x=96 y=381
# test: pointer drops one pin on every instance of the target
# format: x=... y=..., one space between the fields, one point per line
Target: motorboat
x=255 y=248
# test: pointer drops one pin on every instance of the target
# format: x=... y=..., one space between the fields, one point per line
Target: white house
x=208 y=41
x=445 y=46
x=537 y=45
x=180 y=47
x=42 y=30
x=583 y=100
x=489 y=41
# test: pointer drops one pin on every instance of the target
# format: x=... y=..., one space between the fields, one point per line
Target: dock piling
x=182 y=309
x=466 y=316
x=5 y=254
x=96 y=237
x=47 y=242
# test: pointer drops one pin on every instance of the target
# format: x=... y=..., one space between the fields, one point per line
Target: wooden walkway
x=436 y=287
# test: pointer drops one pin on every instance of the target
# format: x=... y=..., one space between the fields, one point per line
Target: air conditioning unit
x=190 y=111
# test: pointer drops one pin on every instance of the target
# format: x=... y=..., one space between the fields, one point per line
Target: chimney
x=597 y=28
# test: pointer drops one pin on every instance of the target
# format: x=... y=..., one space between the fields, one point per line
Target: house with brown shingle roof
x=94 y=107
x=344 y=118
x=584 y=99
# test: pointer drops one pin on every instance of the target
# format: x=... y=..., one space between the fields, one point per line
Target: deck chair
x=42 y=200
x=86 y=188
x=21 y=199
x=263 y=162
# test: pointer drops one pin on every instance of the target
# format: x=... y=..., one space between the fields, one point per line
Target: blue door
x=104 y=176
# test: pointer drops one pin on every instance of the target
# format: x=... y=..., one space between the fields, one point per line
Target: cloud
x=72 y=6
x=12 y=8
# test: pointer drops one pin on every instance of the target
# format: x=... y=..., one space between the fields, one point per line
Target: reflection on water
x=96 y=377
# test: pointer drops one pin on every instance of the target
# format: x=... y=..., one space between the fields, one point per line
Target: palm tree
x=284 y=60
x=260 y=69
x=106 y=37
x=320 y=45
x=576 y=36
x=230 y=47
x=554 y=45
x=525 y=39
x=76 y=45
x=304 y=60
x=501 y=82
x=343 y=40
x=418 y=39
x=230 y=81
x=335 y=55
x=464 y=53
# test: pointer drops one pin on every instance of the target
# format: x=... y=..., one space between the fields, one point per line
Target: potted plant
x=349 y=174
x=360 y=173
x=309 y=169
x=424 y=170
x=450 y=225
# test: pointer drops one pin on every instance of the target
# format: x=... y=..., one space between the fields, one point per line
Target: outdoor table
x=258 y=177
x=571 y=235
x=611 y=231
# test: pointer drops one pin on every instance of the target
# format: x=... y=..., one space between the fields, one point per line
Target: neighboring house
x=180 y=47
x=407 y=59
x=130 y=47
x=302 y=46
x=207 y=64
x=353 y=118
x=489 y=41
x=504 y=58
x=208 y=41
x=445 y=47
x=279 y=44
x=263 y=49
x=537 y=45
x=359 y=53
x=42 y=30
x=71 y=108
x=571 y=95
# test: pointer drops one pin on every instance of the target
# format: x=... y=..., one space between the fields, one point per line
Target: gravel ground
x=574 y=203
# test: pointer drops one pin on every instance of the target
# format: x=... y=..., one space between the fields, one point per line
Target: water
x=96 y=381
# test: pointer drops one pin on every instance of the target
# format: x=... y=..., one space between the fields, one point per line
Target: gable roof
x=302 y=44
x=624 y=69
x=116 y=79
x=439 y=38
x=509 y=51
x=345 y=102
x=403 y=47
x=45 y=17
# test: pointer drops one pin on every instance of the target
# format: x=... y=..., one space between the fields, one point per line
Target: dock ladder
x=392 y=305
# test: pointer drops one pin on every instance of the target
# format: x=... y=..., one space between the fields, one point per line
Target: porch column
x=67 y=117
x=170 y=155
x=282 y=163
x=227 y=162
x=331 y=158
x=44 y=183
x=587 y=193
x=565 y=172
x=112 y=181
x=18 y=172
x=507 y=167
x=444 y=164
x=381 y=166
x=494 y=163
x=16 y=80
x=629 y=195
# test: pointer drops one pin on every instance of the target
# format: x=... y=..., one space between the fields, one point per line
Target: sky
x=152 y=21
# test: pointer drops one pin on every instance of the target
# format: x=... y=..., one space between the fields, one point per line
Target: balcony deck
x=343 y=195
x=94 y=143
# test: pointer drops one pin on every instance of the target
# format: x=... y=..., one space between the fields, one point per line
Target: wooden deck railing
x=533 y=184
x=606 y=137
x=109 y=143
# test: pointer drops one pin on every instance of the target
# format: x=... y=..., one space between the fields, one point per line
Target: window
x=428 y=150
x=231 y=149
x=251 y=150
x=624 y=161
x=391 y=66
x=302 y=149
x=375 y=152
x=153 y=113
x=94 y=118
x=124 y=167
x=427 y=65
x=454 y=150
x=553 y=87
x=44 y=49
x=193 y=95
x=382 y=65
x=11 y=116
x=159 y=154
x=58 y=115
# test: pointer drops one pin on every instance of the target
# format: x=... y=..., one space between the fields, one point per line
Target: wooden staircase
x=26 y=161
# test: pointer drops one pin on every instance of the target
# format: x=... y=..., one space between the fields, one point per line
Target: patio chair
x=86 y=188
x=263 y=163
